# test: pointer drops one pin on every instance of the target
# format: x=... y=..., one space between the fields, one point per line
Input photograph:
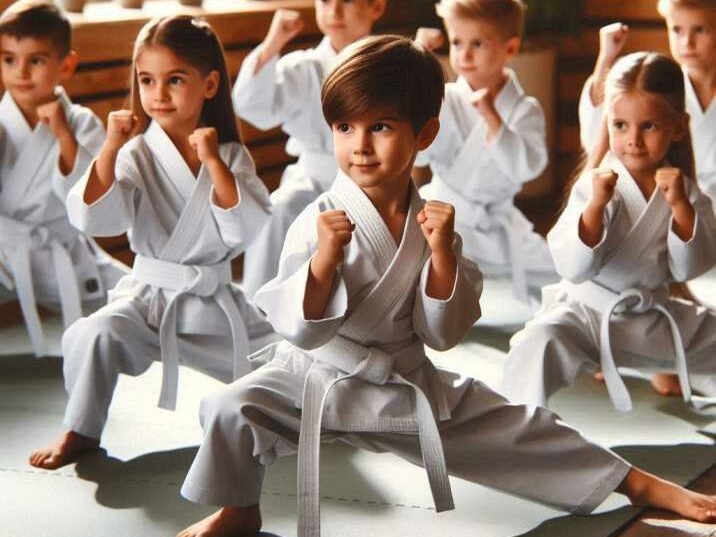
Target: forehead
x=691 y=15
x=471 y=28
x=636 y=105
x=361 y=5
x=26 y=45
x=159 y=59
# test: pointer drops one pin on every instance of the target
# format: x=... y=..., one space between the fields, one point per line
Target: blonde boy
x=272 y=91
x=46 y=144
x=491 y=142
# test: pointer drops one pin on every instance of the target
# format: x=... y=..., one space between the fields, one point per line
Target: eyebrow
x=43 y=53
x=174 y=72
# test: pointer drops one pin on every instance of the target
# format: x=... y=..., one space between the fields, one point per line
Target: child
x=691 y=26
x=186 y=192
x=491 y=142
x=270 y=92
x=630 y=228
x=46 y=144
x=368 y=275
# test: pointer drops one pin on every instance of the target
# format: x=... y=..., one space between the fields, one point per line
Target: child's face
x=478 y=50
x=172 y=92
x=31 y=68
x=641 y=129
x=692 y=37
x=347 y=21
x=378 y=148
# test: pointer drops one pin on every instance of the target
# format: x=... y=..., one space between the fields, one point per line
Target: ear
x=682 y=127
x=68 y=65
x=211 y=84
x=512 y=46
x=428 y=133
x=378 y=9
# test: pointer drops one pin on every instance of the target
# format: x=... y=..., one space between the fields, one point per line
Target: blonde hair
x=665 y=5
x=659 y=76
x=507 y=15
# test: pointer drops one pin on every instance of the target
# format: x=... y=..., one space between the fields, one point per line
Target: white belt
x=199 y=280
x=20 y=241
x=628 y=301
x=319 y=165
x=371 y=365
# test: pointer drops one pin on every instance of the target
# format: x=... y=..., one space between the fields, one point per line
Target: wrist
x=443 y=258
x=323 y=266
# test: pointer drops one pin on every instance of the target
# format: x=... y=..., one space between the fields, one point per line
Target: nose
x=336 y=9
x=162 y=92
x=363 y=143
x=24 y=69
x=635 y=138
x=688 y=40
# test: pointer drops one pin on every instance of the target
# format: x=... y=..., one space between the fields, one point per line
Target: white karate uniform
x=286 y=92
x=362 y=373
x=703 y=132
x=612 y=307
x=480 y=179
x=178 y=304
x=43 y=259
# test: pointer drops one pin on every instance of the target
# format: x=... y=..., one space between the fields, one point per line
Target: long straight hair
x=659 y=76
x=193 y=41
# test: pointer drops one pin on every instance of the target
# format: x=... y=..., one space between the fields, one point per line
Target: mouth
x=163 y=111
x=365 y=166
x=23 y=87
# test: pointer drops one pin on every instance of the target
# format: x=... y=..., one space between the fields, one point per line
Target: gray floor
x=133 y=488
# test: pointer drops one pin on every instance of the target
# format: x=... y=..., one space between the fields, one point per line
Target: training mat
x=133 y=488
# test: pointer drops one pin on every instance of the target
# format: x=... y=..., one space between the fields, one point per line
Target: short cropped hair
x=40 y=19
x=665 y=5
x=387 y=70
x=506 y=15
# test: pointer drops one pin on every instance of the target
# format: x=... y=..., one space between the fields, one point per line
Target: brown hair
x=665 y=5
x=656 y=75
x=387 y=70
x=507 y=15
x=38 y=19
x=194 y=41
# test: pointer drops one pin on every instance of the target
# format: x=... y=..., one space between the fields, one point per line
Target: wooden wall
x=576 y=61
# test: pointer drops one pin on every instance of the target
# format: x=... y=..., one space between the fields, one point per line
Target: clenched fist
x=604 y=182
x=121 y=126
x=285 y=25
x=429 y=38
x=612 y=38
x=437 y=222
x=52 y=114
x=335 y=231
x=670 y=182
x=205 y=142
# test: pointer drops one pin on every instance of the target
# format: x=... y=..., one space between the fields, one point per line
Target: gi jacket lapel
x=34 y=148
x=194 y=191
x=647 y=218
x=703 y=126
x=397 y=265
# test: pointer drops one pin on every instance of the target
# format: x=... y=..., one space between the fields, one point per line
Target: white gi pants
x=553 y=348
x=521 y=450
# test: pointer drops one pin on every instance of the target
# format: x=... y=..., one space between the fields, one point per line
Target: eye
x=176 y=80
x=145 y=80
x=37 y=60
x=699 y=30
x=380 y=127
x=8 y=60
x=343 y=127
x=619 y=125
x=649 y=126
x=477 y=43
x=676 y=29
x=455 y=42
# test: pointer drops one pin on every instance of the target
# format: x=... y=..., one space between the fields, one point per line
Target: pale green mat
x=133 y=491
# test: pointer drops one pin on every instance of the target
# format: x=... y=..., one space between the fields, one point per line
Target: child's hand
x=335 y=230
x=604 y=182
x=671 y=184
x=285 y=25
x=205 y=142
x=52 y=114
x=437 y=222
x=484 y=101
x=121 y=126
x=429 y=38
x=611 y=41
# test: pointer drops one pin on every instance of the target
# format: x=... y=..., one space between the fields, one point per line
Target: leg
x=263 y=255
x=246 y=426
x=547 y=355
x=96 y=350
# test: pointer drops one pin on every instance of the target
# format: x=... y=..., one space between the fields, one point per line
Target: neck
x=338 y=45
x=180 y=138
x=494 y=83
x=704 y=82
x=29 y=111
x=645 y=181
x=390 y=200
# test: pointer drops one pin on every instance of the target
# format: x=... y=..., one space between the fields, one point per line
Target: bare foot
x=227 y=522
x=64 y=451
x=666 y=384
x=644 y=489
